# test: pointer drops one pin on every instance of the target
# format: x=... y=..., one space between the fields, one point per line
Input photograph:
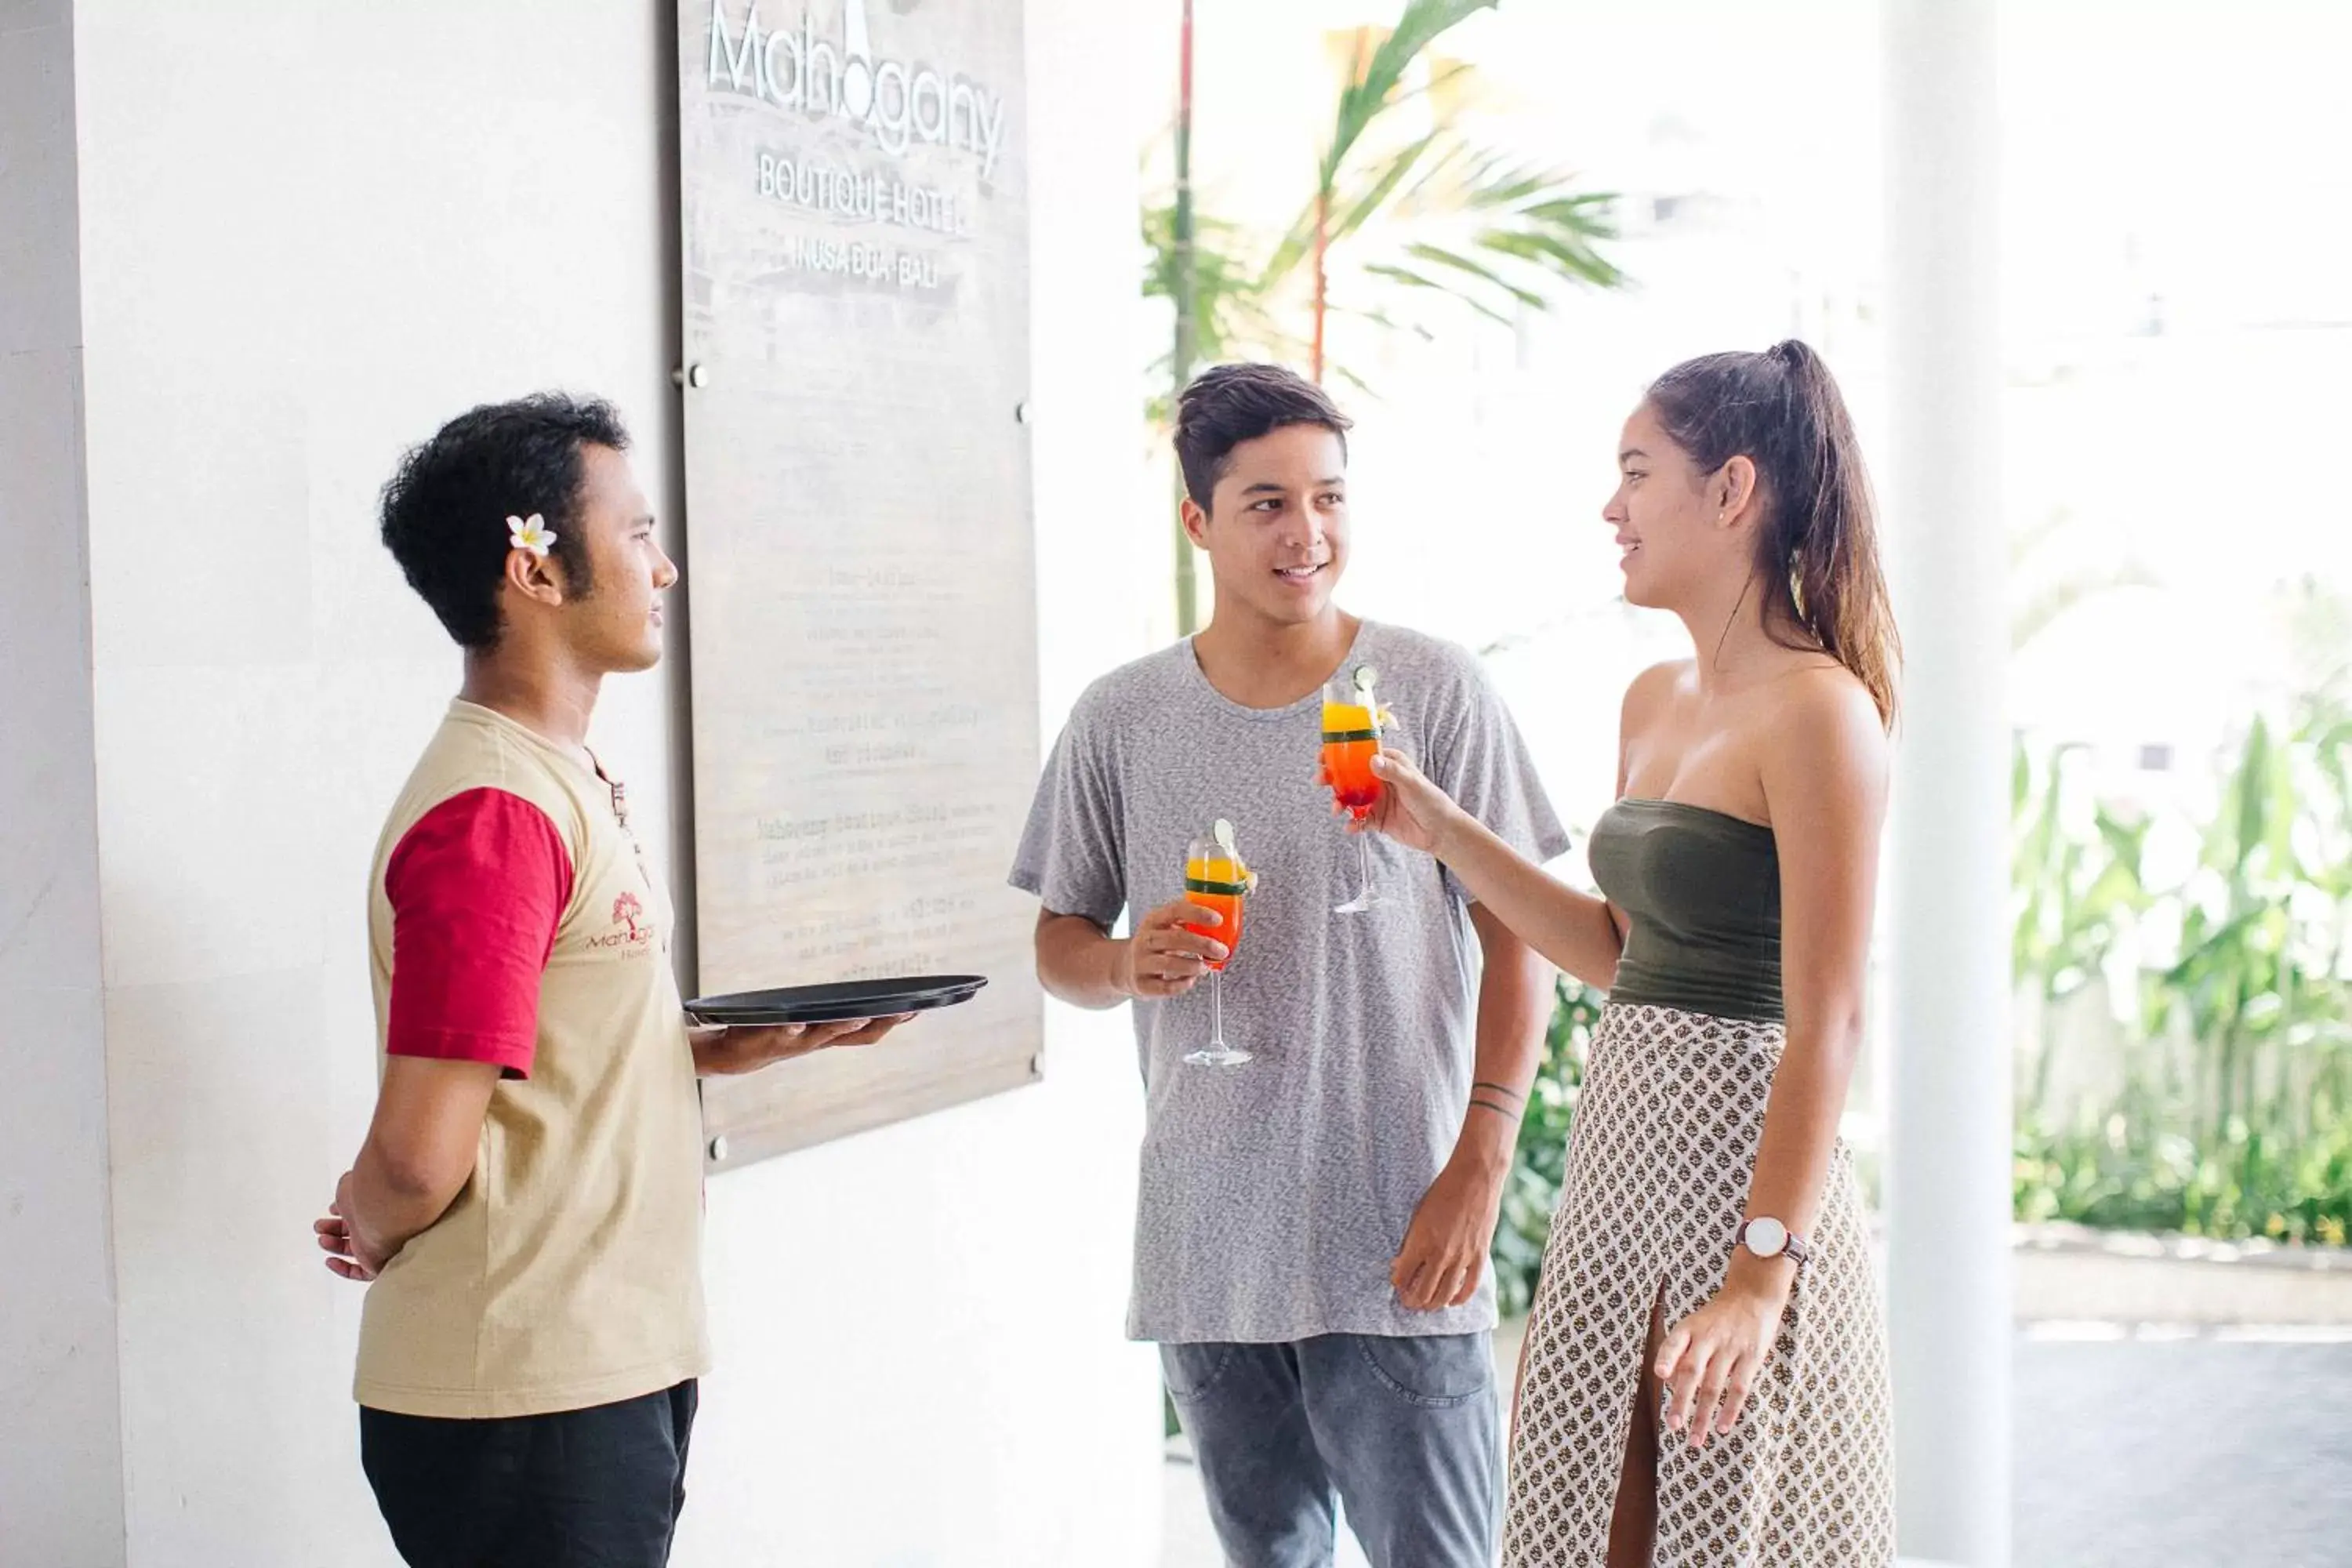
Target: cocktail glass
x=1216 y=879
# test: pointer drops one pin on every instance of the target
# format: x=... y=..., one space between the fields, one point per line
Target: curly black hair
x=1236 y=403
x=446 y=508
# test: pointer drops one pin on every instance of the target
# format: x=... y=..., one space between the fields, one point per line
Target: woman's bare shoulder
x=1819 y=714
x=1656 y=687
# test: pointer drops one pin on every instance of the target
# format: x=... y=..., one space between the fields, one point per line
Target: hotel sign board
x=860 y=576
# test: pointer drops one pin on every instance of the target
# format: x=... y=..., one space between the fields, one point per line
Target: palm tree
x=1423 y=213
x=1441 y=213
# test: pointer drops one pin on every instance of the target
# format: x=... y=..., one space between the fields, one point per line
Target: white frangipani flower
x=530 y=533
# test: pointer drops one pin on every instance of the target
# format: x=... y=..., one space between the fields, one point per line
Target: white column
x=1948 y=1182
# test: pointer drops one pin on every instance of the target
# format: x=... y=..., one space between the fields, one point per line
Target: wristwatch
x=1767 y=1237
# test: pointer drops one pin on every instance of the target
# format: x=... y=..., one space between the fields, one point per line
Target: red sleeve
x=478 y=888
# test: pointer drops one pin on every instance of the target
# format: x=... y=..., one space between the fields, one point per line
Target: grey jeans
x=1405 y=1433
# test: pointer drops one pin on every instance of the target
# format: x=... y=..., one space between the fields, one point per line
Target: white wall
x=308 y=233
x=307 y=237
x=60 y=1476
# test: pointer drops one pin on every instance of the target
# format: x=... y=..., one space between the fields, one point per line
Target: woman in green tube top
x=1704 y=1376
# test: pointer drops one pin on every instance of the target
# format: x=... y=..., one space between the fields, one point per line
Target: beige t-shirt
x=513 y=918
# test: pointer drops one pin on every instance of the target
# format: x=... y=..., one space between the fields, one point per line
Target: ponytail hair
x=1817 y=545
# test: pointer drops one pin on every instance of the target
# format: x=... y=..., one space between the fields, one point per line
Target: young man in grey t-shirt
x=1313 y=1224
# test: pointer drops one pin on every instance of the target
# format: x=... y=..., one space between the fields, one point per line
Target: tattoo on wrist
x=1507 y=1112
x=1509 y=1094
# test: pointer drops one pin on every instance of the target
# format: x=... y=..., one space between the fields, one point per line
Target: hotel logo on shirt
x=627 y=932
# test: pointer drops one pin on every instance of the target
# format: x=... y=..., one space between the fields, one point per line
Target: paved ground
x=2147 y=1449
x=2172 y=1452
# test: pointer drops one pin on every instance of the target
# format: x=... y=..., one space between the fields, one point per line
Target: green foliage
x=2129 y=1173
x=2234 y=1113
x=1234 y=318
x=2075 y=887
x=1379 y=80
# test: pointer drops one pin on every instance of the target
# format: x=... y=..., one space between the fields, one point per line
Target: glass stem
x=1217 y=1009
x=1364 y=866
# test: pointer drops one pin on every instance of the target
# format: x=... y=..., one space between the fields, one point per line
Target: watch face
x=1767 y=1238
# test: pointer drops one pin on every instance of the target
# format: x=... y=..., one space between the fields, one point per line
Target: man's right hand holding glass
x=1164 y=959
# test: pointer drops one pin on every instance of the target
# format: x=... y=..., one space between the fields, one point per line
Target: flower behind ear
x=530 y=533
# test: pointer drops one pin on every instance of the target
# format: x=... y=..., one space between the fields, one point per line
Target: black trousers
x=599 y=1487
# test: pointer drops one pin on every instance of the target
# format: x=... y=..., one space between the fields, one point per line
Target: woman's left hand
x=1709 y=1361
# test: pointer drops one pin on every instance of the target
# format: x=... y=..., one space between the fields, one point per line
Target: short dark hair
x=1236 y=403
x=446 y=508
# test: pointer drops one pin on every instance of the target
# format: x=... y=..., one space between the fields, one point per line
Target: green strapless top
x=1701 y=891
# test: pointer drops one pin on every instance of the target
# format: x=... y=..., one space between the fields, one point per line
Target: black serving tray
x=843 y=999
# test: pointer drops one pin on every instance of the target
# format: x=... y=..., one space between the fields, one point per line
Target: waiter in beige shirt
x=528 y=1201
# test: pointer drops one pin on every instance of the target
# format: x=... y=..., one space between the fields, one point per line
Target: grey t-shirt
x=1275 y=1194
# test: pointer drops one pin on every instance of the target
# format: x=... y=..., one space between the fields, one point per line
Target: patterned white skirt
x=1659 y=1162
